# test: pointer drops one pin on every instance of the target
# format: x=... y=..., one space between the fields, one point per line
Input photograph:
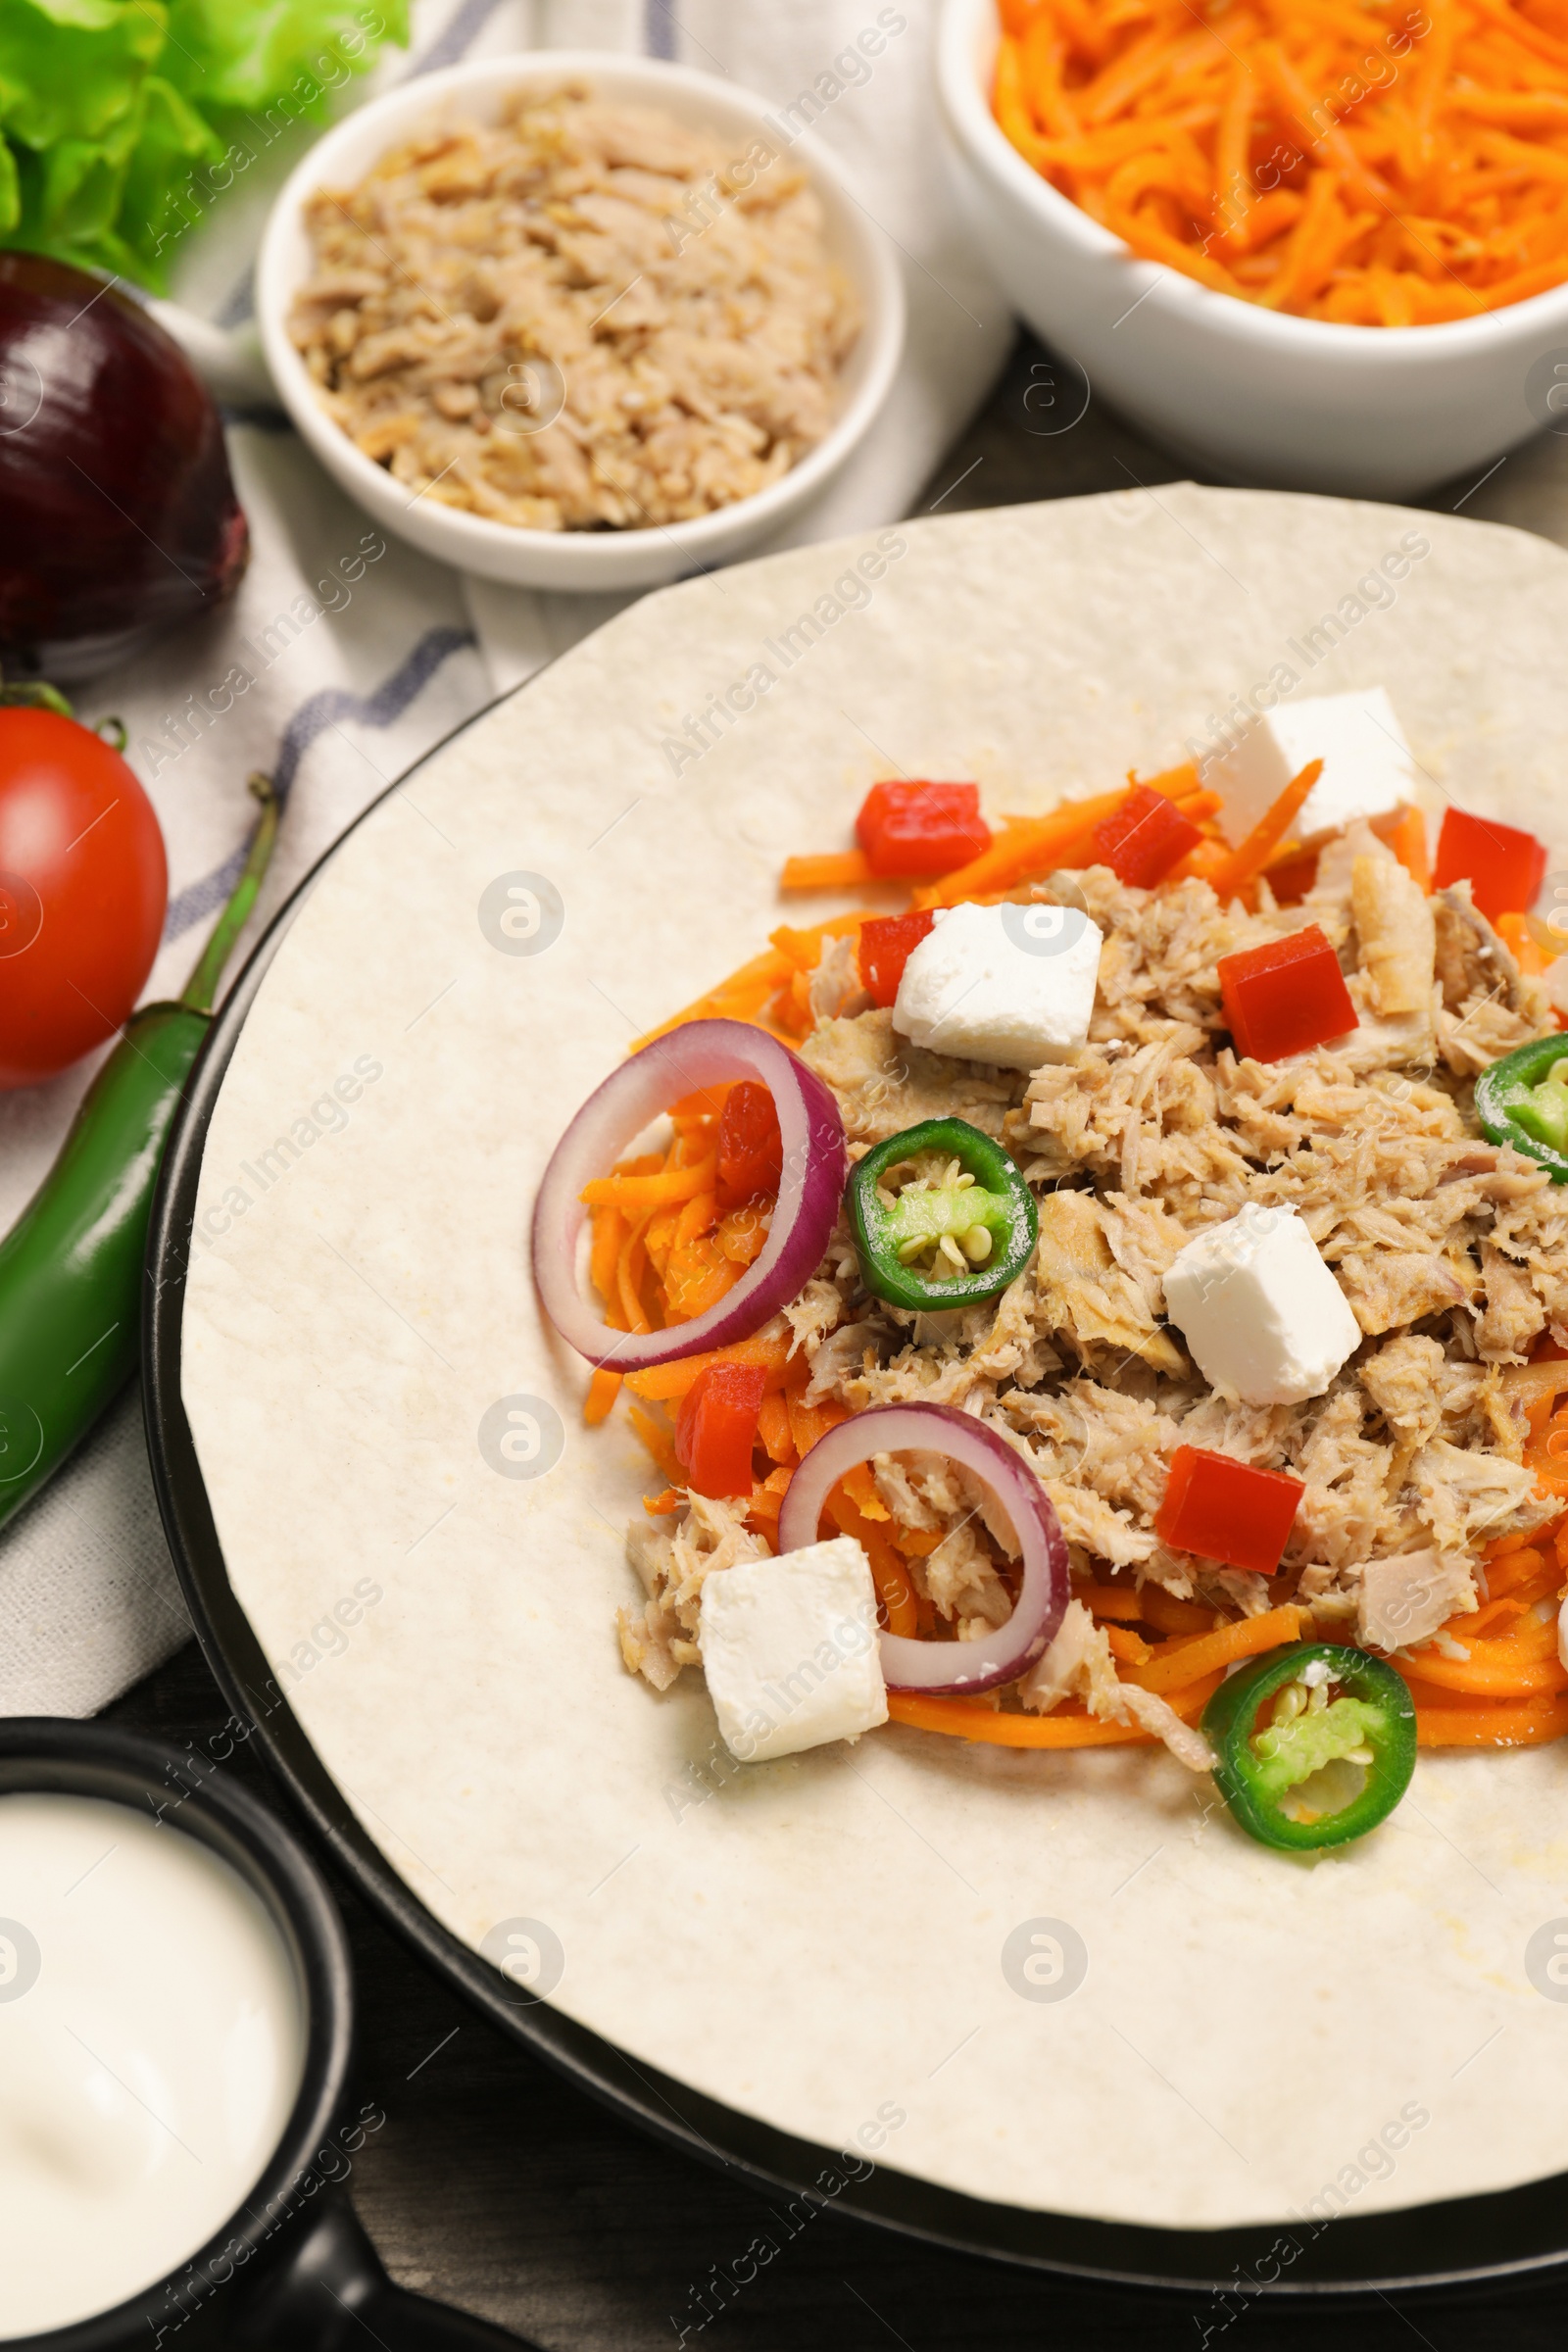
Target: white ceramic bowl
x=1296 y=404
x=575 y=560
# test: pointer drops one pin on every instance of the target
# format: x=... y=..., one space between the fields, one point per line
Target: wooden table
x=495 y=2186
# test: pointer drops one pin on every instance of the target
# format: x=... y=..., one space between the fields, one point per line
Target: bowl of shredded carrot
x=1321 y=247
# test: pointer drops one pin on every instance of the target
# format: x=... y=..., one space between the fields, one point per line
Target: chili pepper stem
x=201 y=988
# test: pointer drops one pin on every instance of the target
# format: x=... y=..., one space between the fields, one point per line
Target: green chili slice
x=959 y=1228
x=1522 y=1099
x=1286 y=1729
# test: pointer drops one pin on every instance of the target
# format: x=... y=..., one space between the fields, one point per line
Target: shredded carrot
x=1130 y=1647
x=801 y=950
x=1025 y=845
x=1404 y=831
x=1376 y=168
x=1245 y=862
x=658 y=1444
x=1066 y=1727
x=651 y=1191
x=1495 y=1669
x=894 y=1589
x=1182 y=1660
x=773 y=1428
x=1529 y=1724
x=836 y=869
x=1106 y=1601
x=661 y=1383
x=809 y=1422
x=667 y=1504
x=603 y=1389
x=1517 y=935
x=1168 y=1615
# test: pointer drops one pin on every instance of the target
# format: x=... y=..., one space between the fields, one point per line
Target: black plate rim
x=1475 y=2241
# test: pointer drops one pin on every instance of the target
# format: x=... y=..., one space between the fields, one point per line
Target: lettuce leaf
x=116 y=114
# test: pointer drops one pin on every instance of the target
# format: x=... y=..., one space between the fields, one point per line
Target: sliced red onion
x=698 y=1054
x=1002 y=1655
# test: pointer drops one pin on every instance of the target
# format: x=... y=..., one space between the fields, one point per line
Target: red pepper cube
x=751 y=1149
x=1226 y=1510
x=715 y=1428
x=909 y=827
x=1503 y=867
x=885 y=944
x=1285 y=997
x=1143 y=838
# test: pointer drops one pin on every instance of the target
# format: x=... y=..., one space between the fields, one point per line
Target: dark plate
x=1507 y=2233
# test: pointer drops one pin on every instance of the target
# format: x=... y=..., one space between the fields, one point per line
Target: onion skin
x=698 y=1054
x=117 y=514
x=959 y=1669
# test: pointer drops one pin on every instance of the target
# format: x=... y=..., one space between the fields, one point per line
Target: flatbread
x=840 y=1939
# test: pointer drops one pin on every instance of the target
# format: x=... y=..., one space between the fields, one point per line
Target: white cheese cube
x=1013 y=985
x=790 y=1650
x=1261 y=1313
x=1367 y=767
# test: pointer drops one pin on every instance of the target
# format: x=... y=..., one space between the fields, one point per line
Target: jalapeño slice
x=1280 y=1722
x=1522 y=1101
x=961 y=1232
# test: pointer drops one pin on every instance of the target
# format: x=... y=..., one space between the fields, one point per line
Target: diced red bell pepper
x=751 y=1150
x=1285 y=997
x=1143 y=838
x=715 y=1428
x=1227 y=1510
x=909 y=827
x=887 y=942
x=1505 y=866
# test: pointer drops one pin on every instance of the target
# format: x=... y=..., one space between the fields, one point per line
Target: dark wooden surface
x=495 y=2186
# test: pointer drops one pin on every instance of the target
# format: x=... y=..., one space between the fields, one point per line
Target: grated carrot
x=651 y=1191
x=1377 y=168
x=661 y=1383
x=603 y=1389
x=659 y=1446
x=1025 y=845
x=1245 y=862
x=1066 y=1727
x=1182 y=1660
x=837 y=869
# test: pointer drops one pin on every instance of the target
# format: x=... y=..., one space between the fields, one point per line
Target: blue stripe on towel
x=318 y=712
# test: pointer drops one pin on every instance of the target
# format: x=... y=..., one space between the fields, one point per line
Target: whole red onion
x=118 y=516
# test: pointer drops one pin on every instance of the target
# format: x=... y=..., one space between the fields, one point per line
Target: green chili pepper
x=941 y=1246
x=1371 y=1723
x=71 y=1270
x=1519 y=1101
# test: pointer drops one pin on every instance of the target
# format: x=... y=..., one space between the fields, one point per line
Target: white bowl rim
x=879 y=286
x=978 y=130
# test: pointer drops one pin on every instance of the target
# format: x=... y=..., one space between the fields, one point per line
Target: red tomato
x=1227 y=1510
x=1505 y=866
x=885 y=944
x=913 y=827
x=1143 y=838
x=83 y=884
x=715 y=1428
x=751 y=1150
x=1285 y=997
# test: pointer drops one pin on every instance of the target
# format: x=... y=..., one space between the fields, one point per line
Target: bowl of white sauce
x=176 y=2037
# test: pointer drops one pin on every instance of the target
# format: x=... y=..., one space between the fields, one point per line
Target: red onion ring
x=999 y=1657
x=699 y=1054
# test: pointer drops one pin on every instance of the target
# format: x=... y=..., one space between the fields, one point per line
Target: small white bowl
x=575 y=560
x=1300 y=403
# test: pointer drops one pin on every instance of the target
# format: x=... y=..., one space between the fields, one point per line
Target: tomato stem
x=202 y=987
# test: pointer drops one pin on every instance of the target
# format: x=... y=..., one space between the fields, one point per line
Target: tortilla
x=1211 y=2034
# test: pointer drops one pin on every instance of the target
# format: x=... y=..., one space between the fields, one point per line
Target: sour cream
x=152 y=2043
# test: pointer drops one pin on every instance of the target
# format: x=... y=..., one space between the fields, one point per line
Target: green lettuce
x=122 y=121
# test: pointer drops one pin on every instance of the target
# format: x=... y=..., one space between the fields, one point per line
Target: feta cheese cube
x=790 y=1650
x=1013 y=985
x=1262 y=1314
x=1367 y=767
